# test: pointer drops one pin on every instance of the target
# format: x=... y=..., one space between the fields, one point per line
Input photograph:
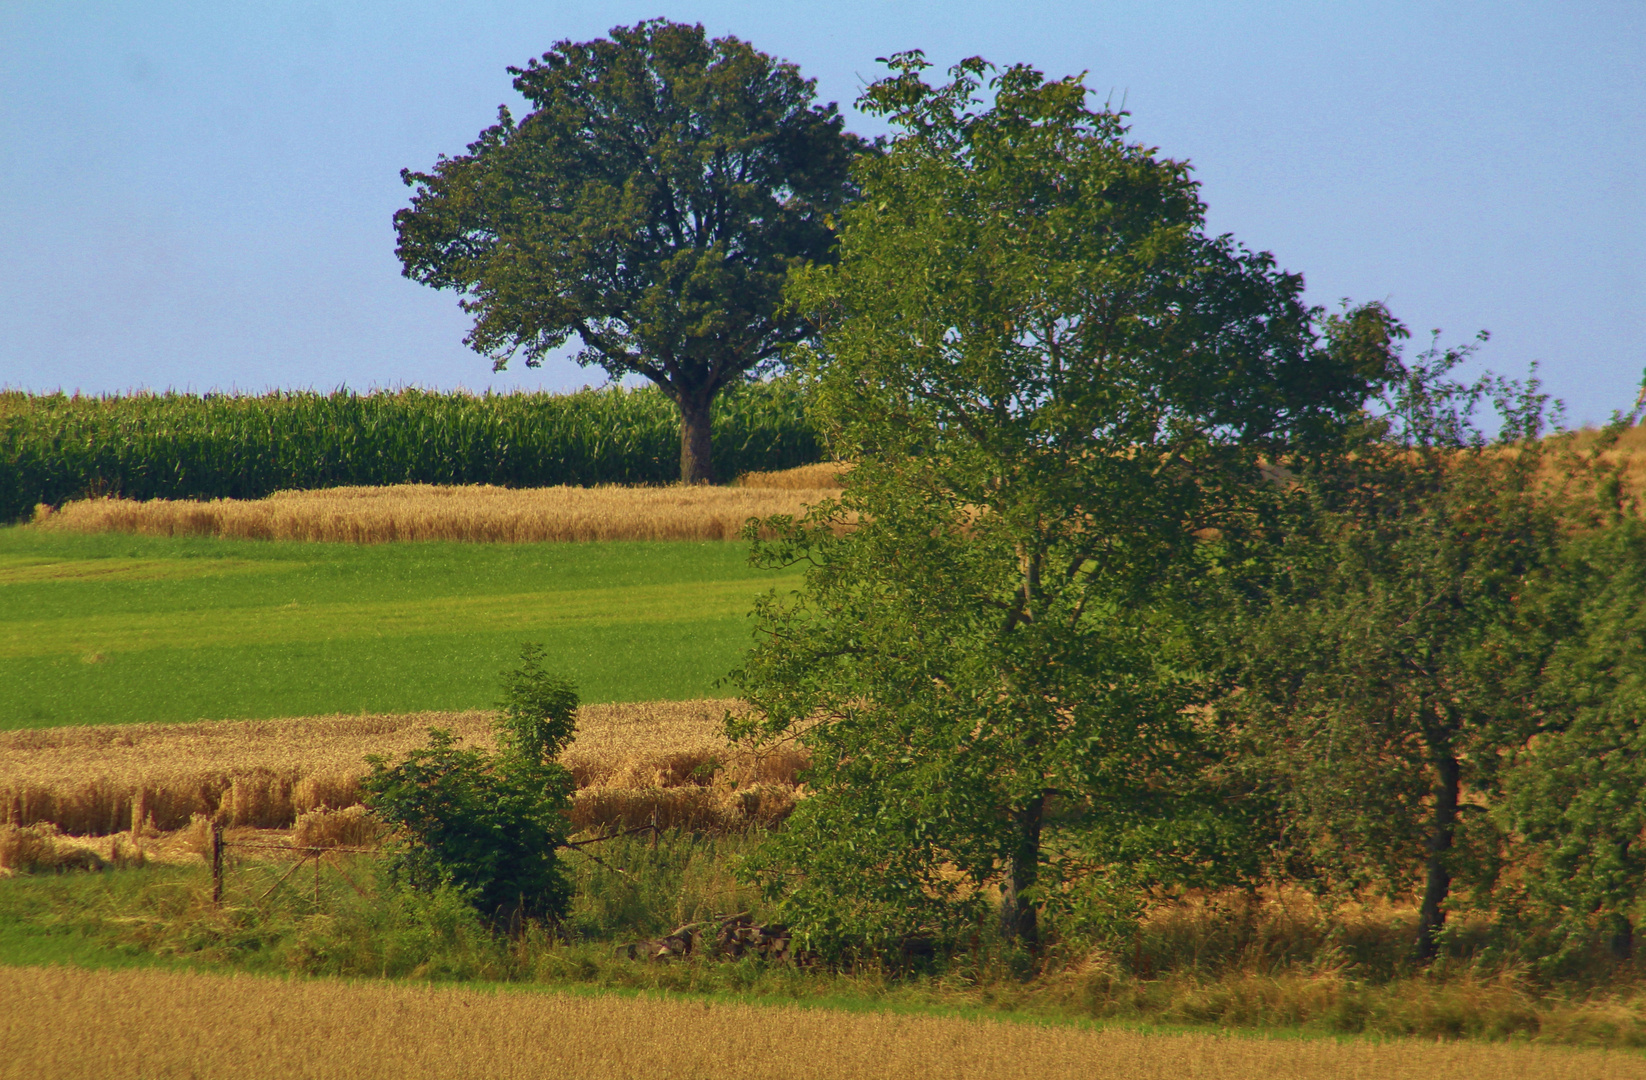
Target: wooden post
x=215 y=854
x=654 y=826
x=316 y=878
x=139 y=811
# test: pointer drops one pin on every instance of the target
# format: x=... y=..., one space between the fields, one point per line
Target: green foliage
x=1392 y=663
x=1053 y=382
x=488 y=824
x=182 y=446
x=639 y=889
x=651 y=202
x=538 y=714
x=399 y=932
x=1578 y=793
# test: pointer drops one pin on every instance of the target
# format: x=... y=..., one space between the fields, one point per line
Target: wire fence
x=217 y=847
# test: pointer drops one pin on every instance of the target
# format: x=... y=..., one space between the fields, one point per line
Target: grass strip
x=114 y=628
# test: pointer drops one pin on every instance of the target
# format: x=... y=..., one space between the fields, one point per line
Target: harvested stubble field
x=69 y=1023
x=631 y=762
x=474 y=513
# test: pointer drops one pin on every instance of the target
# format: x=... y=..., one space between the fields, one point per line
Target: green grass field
x=119 y=629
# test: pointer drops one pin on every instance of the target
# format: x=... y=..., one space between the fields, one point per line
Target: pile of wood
x=731 y=937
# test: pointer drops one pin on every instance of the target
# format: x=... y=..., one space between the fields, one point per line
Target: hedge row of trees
x=1150 y=576
x=186 y=446
x=1163 y=579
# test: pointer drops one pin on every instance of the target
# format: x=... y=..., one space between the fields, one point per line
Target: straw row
x=426 y=512
x=628 y=760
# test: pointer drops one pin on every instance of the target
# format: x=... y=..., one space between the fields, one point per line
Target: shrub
x=488 y=824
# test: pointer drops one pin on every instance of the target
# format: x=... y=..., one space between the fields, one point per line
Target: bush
x=488 y=824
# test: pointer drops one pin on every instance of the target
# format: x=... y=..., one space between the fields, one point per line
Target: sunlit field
x=633 y=763
x=479 y=513
x=62 y=1022
x=114 y=628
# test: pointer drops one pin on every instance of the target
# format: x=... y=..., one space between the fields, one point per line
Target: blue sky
x=199 y=196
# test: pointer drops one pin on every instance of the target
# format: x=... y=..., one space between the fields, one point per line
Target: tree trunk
x=1621 y=941
x=696 y=450
x=1019 y=917
x=1442 y=827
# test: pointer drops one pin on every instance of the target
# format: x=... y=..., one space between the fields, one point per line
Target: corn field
x=56 y=447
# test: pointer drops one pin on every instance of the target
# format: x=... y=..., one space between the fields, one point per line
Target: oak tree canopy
x=651 y=203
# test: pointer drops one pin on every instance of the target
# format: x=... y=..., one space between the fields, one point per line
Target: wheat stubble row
x=628 y=759
x=479 y=513
x=71 y=1023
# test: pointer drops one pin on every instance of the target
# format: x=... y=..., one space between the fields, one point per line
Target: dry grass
x=1630 y=451
x=824 y=476
x=368 y=515
x=43 y=847
x=352 y=826
x=70 y=1023
x=629 y=759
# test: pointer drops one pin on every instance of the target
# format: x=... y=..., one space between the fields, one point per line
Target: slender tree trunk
x=1019 y=918
x=696 y=451
x=1621 y=941
x=1442 y=829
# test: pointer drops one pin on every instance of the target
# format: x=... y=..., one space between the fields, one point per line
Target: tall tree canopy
x=1393 y=664
x=1577 y=793
x=651 y=203
x=1056 y=385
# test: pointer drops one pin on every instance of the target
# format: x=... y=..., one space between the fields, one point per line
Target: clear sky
x=198 y=196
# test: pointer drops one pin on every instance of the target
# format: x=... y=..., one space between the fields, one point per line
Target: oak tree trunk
x=1442 y=829
x=696 y=450
x=1019 y=917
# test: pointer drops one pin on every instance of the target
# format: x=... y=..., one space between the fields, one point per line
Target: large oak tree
x=650 y=203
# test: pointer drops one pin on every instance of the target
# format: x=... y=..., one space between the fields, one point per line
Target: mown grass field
x=115 y=628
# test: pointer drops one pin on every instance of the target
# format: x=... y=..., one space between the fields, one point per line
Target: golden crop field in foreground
x=630 y=760
x=70 y=1023
x=481 y=512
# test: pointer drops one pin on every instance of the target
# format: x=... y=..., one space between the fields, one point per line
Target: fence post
x=216 y=855
x=139 y=811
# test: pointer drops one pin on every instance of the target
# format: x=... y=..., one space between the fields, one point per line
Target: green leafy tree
x=1394 y=661
x=1051 y=380
x=651 y=203
x=488 y=823
x=1577 y=793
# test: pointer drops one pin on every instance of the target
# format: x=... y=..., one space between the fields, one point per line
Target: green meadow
x=119 y=629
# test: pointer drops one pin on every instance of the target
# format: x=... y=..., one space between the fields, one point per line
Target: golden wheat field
x=631 y=762
x=369 y=515
x=823 y=476
x=69 y=1023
